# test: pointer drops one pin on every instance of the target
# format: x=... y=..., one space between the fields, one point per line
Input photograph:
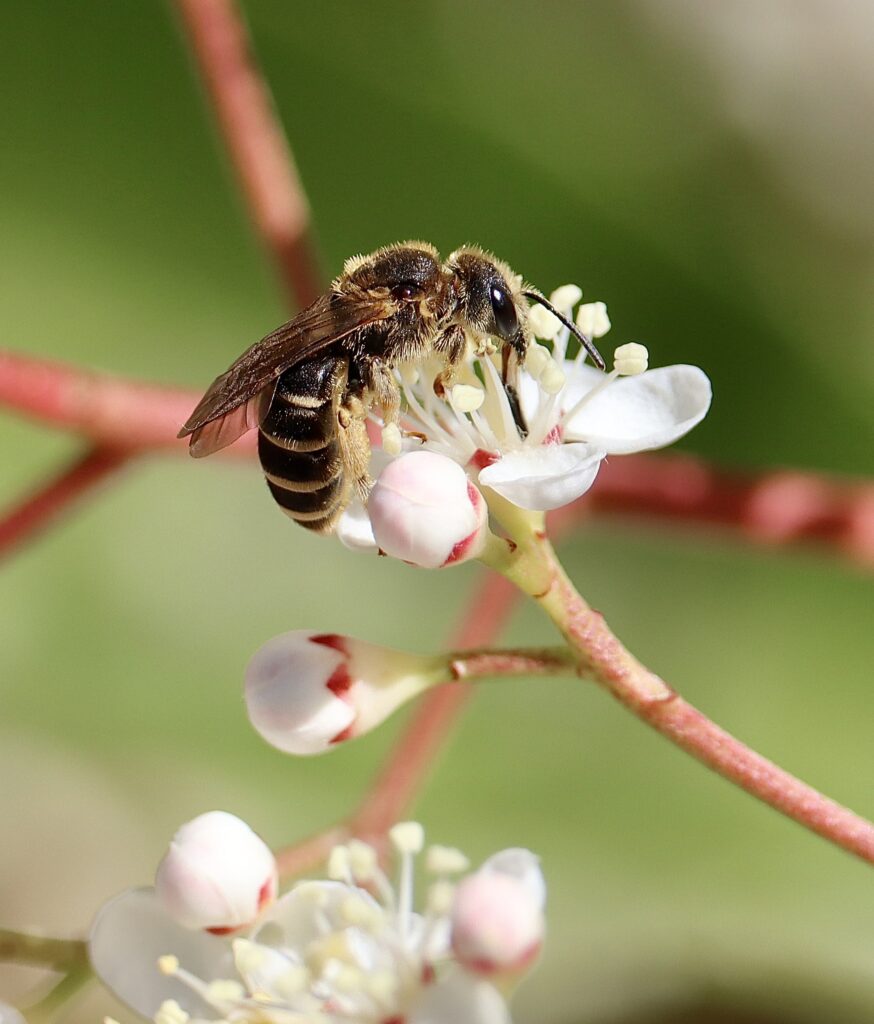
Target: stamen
x=407 y=837
x=466 y=397
x=552 y=378
x=362 y=859
x=358 y=912
x=439 y=900
x=445 y=860
x=170 y=1012
x=592 y=319
x=565 y=297
x=338 y=864
x=499 y=402
x=631 y=359
x=543 y=324
x=537 y=357
x=168 y=964
x=225 y=990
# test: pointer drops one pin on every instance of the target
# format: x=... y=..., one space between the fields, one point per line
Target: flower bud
x=306 y=692
x=424 y=510
x=217 y=874
x=497 y=916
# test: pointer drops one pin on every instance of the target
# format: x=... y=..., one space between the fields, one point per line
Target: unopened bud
x=424 y=510
x=592 y=319
x=497 y=915
x=306 y=692
x=217 y=874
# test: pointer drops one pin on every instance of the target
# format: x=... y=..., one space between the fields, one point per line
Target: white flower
x=306 y=692
x=574 y=415
x=217 y=874
x=9 y=1015
x=349 y=950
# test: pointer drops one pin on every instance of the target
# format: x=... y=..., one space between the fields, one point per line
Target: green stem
x=41 y=950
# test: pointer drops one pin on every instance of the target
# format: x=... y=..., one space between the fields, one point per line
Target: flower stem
x=41 y=950
x=603 y=658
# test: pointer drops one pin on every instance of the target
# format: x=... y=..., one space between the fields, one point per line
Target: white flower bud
x=306 y=692
x=217 y=874
x=592 y=319
x=424 y=510
x=497 y=915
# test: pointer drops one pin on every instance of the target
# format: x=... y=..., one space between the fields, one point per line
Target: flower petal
x=354 y=530
x=636 y=414
x=457 y=998
x=545 y=477
x=295 y=919
x=128 y=936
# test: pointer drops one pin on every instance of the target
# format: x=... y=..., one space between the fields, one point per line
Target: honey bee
x=309 y=386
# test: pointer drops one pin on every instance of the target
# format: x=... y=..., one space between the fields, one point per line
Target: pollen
x=407 y=836
x=168 y=964
x=631 y=359
x=391 y=439
x=466 y=397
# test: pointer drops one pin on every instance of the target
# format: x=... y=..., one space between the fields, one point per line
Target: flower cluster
x=351 y=949
x=427 y=506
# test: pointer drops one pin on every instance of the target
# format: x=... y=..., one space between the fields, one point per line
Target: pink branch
x=26 y=520
x=606 y=660
x=255 y=141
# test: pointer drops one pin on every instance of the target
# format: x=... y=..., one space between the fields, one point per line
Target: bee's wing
x=237 y=400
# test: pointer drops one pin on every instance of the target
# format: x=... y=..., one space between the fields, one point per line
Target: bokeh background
x=703 y=167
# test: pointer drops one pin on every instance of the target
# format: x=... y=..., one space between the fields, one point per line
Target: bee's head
x=493 y=300
x=489 y=298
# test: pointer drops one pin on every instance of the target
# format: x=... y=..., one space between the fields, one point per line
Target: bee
x=309 y=386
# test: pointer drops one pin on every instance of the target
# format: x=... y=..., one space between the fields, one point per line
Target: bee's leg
x=354 y=442
x=451 y=344
x=382 y=384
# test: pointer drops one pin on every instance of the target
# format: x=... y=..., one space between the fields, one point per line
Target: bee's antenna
x=583 y=339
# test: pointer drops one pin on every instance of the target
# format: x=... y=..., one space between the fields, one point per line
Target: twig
x=255 y=142
x=604 y=659
x=39 y=510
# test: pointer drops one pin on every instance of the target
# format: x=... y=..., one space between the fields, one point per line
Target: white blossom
x=352 y=949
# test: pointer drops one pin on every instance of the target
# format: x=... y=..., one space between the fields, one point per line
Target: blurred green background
x=704 y=168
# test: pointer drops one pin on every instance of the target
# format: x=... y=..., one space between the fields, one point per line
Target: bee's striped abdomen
x=299 y=446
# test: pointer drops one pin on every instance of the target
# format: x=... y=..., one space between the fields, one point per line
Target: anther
x=537 y=357
x=362 y=859
x=566 y=296
x=543 y=323
x=592 y=319
x=445 y=860
x=407 y=837
x=439 y=898
x=552 y=378
x=466 y=397
x=170 y=1012
x=338 y=864
x=631 y=359
x=168 y=964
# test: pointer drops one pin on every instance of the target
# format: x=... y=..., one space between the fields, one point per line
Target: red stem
x=606 y=660
x=39 y=510
x=774 y=507
x=255 y=141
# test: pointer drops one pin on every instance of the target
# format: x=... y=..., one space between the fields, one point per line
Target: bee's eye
x=505 y=312
x=406 y=290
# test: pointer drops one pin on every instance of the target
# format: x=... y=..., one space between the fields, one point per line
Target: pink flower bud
x=306 y=692
x=497 y=915
x=217 y=874
x=424 y=510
